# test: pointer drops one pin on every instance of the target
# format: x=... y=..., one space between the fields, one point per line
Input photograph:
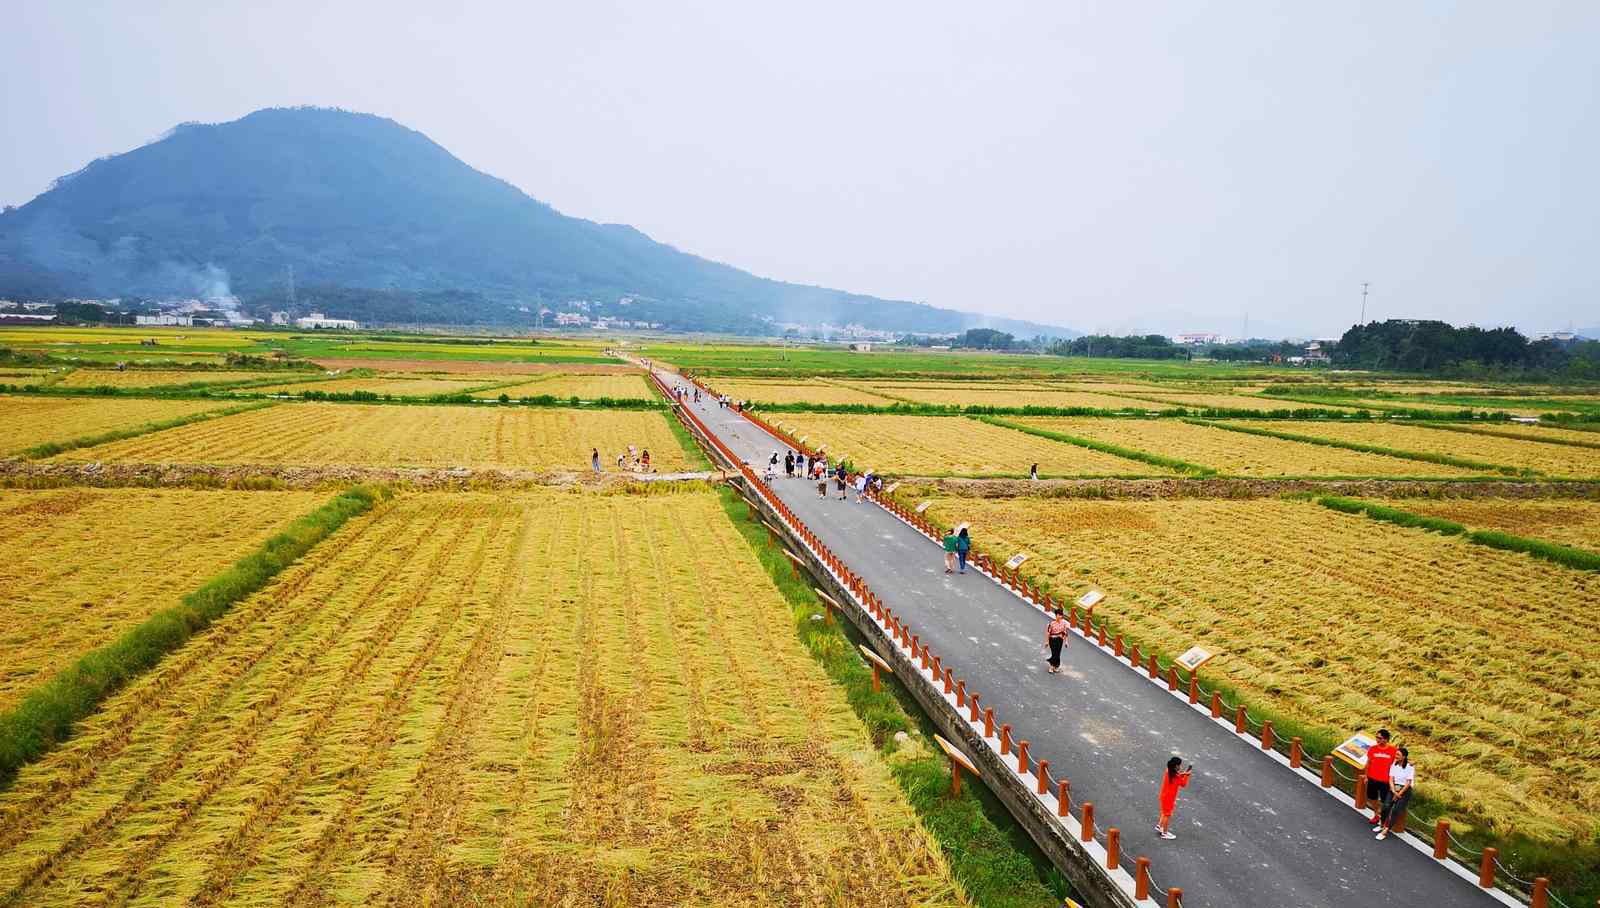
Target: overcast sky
x=1115 y=166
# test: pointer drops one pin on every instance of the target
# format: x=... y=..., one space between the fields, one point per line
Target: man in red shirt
x=1380 y=758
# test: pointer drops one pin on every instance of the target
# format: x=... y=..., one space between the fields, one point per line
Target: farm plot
x=1236 y=454
x=1556 y=460
x=398 y=386
x=1239 y=402
x=973 y=394
x=155 y=378
x=487 y=437
x=29 y=421
x=950 y=445
x=799 y=391
x=78 y=567
x=1478 y=658
x=1574 y=523
x=585 y=386
x=527 y=699
x=1541 y=432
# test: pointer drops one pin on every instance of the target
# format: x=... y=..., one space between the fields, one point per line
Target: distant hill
x=377 y=215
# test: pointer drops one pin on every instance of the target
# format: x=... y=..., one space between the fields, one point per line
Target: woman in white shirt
x=1402 y=775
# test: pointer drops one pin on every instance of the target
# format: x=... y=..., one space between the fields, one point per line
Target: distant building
x=318 y=321
x=571 y=319
x=26 y=318
x=861 y=347
x=164 y=321
x=1198 y=338
x=1559 y=336
x=1317 y=352
x=280 y=318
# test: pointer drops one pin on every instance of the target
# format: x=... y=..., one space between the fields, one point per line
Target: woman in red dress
x=1171 y=781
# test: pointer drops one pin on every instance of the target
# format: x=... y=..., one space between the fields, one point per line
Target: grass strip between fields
x=1472 y=430
x=1159 y=460
x=985 y=859
x=1572 y=866
x=1423 y=456
x=1564 y=555
x=52 y=448
x=46 y=716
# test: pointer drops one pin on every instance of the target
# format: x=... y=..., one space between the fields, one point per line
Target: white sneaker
x=1383 y=834
x=1169 y=835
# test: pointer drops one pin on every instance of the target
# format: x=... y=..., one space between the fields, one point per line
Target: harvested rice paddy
x=1238 y=402
x=1551 y=459
x=1479 y=657
x=975 y=394
x=155 y=378
x=29 y=421
x=1574 y=523
x=540 y=698
x=487 y=437
x=78 y=567
x=1237 y=454
x=949 y=445
x=801 y=391
x=399 y=387
x=589 y=386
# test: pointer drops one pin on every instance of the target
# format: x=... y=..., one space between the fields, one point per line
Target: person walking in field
x=1034 y=473
x=1055 y=639
x=1402 y=775
x=949 y=553
x=1380 y=759
x=594 y=459
x=644 y=461
x=1172 y=780
x=963 y=546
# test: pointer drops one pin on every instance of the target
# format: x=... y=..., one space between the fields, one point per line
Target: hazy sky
x=1115 y=166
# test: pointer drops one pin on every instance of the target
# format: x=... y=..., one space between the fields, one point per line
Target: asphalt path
x=1250 y=831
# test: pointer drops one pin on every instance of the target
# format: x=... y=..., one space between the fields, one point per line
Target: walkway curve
x=1251 y=832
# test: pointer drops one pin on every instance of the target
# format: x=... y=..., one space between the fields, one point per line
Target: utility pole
x=291 y=285
x=1364 y=286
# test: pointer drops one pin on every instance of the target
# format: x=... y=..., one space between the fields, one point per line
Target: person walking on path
x=1402 y=775
x=1034 y=473
x=594 y=459
x=788 y=464
x=963 y=546
x=949 y=552
x=1171 y=781
x=1380 y=758
x=843 y=479
x=1055 y=639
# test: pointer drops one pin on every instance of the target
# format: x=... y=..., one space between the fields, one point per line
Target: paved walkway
x=1250 y=832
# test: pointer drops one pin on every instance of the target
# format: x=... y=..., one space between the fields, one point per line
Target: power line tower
x=290 y=269
x=1364 y=286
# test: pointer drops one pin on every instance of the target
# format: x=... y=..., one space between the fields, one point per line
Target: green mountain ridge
x=372 y=210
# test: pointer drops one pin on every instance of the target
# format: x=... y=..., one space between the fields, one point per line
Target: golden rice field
x=1004 y=396
x=29 y=421
x=587 y=386
x=1481 y=660
x=1167 y=400
x=1555 y=460
x=399 y=387
x=1574 y=523
x=799 y=391
x=539 y=698
x=153 y=378
x=1536 y=433
x=1238 y=454
x=487 y=437
x=941 y=445
x=78 y=567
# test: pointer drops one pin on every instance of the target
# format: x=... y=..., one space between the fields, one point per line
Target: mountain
x=379 y=218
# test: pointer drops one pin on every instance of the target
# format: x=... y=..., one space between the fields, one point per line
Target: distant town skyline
x=1108 y=169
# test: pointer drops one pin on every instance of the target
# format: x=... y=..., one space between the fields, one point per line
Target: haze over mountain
x=355 y=202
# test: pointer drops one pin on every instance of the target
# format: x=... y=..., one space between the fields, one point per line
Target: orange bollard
x=1088 y=821
x=1441 y=839
x=1294 y=753
x=1361 y=792
x=1141 y=879
x=1541 y=892
x=1327 y=771
x=1155 y=667
x=914 y=647
x=926 y=656
x=949 y=680
x=1238 y=720
x=1399 y=823
x=1005 y=740
x=955 y=779
x=961 y=694
x=875 y=685
x=1216 y=705
x=1072 y=616
x=1133 y=656
x=1119 y=646
x=1063 y=798
x=988 y=722
x=1194 y=688
x=973 y=702
x=1102 y=638
x=1044 y=776
x=1174 y=897
x=1172 y=676
x=1113 y=847
x=1022 y=757
x=1266 y=735
x=1486 y=868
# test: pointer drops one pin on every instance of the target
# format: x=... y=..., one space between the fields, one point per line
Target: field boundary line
x=1159 y=460
x=1442 y=459
x=48 y=714
x=1555 y=552
x=1474 y=430
x=52 y=448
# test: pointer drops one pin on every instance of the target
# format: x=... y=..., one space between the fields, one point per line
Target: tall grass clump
x=984 y=858
x=46 y=716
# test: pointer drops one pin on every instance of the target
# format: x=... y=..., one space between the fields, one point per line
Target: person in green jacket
x=949 y=553
x=963 y=547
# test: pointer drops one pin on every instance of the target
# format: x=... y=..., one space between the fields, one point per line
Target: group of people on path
x=815 y=468
x=957 y=544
